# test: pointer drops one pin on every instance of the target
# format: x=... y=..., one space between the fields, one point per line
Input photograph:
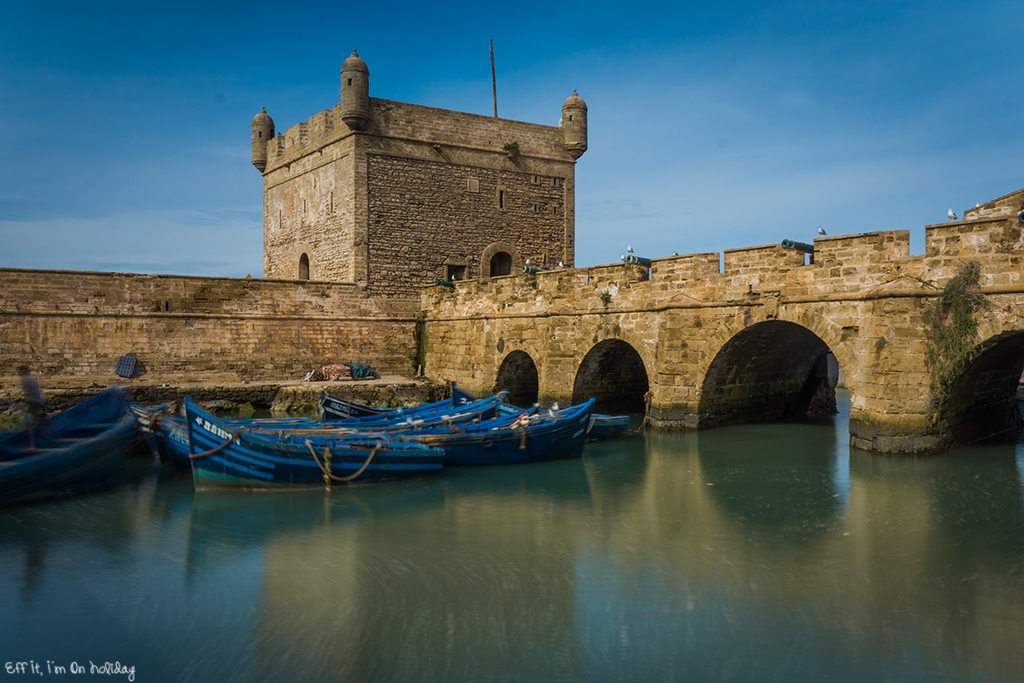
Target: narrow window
x=570 y=117
x=303 y=267
x=332 y=202
x=350 y=81
x=501 y=199
x=260 y=133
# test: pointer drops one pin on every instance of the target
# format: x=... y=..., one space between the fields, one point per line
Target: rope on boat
x=193 y=456
x=330 y=476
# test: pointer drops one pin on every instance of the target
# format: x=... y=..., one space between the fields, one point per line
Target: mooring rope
x=193 y=456
x=327 y=457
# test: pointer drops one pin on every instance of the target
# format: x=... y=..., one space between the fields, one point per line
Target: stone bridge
x=750 y=334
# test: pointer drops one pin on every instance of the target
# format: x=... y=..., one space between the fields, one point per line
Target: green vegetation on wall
x=951 y=328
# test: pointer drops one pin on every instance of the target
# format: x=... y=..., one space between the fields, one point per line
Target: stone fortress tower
x=392 y=196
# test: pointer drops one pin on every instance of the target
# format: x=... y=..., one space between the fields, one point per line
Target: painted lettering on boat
x=212 y=428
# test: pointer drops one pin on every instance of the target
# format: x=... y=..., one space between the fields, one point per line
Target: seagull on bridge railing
x=821 y=230
x=951 y=215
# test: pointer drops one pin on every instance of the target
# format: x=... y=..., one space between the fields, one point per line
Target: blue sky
x=712 y=126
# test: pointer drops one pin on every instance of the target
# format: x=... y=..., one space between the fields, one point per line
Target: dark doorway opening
x=304 y=267
x=501 y=264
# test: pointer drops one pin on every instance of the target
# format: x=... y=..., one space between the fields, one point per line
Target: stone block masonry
x=392 y=196
x=76 y=324
x=745 y=343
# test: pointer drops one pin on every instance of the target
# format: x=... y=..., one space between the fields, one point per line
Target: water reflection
x=746 y=553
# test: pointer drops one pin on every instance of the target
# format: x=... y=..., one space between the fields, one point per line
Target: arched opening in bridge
x=501 y=264
x=983 y=399
x=613 y=373
x=774 y=369
x=304 y=267
x=518 y=374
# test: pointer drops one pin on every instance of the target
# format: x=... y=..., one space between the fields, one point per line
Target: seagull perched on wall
x=561 y=265
x=821 y=230
x=527 y=261
x=622 y=257
x=629 y=248
x=675 y=253
x=950 y=214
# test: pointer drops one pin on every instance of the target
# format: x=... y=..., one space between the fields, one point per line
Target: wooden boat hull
x=82 y=448
x=233 y=458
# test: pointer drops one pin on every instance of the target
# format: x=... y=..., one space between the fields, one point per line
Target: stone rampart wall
x=863 y=297
x=193 y=328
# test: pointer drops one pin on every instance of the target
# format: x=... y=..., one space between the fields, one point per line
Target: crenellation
x=392 y=196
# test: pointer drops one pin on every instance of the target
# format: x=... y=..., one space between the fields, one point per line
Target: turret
x=262 y=131
x=355 y=92
x=574 y=125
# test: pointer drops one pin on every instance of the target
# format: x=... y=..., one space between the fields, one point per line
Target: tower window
x=501 y=199
x=350 y=81
x=455 y=272
x=304 y=267
x=570 y=117
x=260 y=133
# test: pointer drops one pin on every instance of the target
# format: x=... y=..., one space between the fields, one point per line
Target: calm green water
x=757 y=553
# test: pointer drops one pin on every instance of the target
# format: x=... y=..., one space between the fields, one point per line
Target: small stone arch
x=613 y=372
x=303 y=271
x=497 y=248
x=518 y=374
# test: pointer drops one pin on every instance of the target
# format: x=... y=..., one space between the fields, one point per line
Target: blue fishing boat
x=607 y=427
x=224 y=456
x=82 y=448
x=336 y=408
x=601 y=426
x=525 y=437
x=171 y=437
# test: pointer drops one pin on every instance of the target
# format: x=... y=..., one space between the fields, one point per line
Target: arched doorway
x=982 y=400
x=518 y=374
x=774 y=369
x=501 y=264
x=304 y=267
x=613 y=373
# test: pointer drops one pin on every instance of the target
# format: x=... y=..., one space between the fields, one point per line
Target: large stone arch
x=492 y=249
x=519 y=374
x=614 y=372
x=982 y=400
x=766 y=369
x=813 y=320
